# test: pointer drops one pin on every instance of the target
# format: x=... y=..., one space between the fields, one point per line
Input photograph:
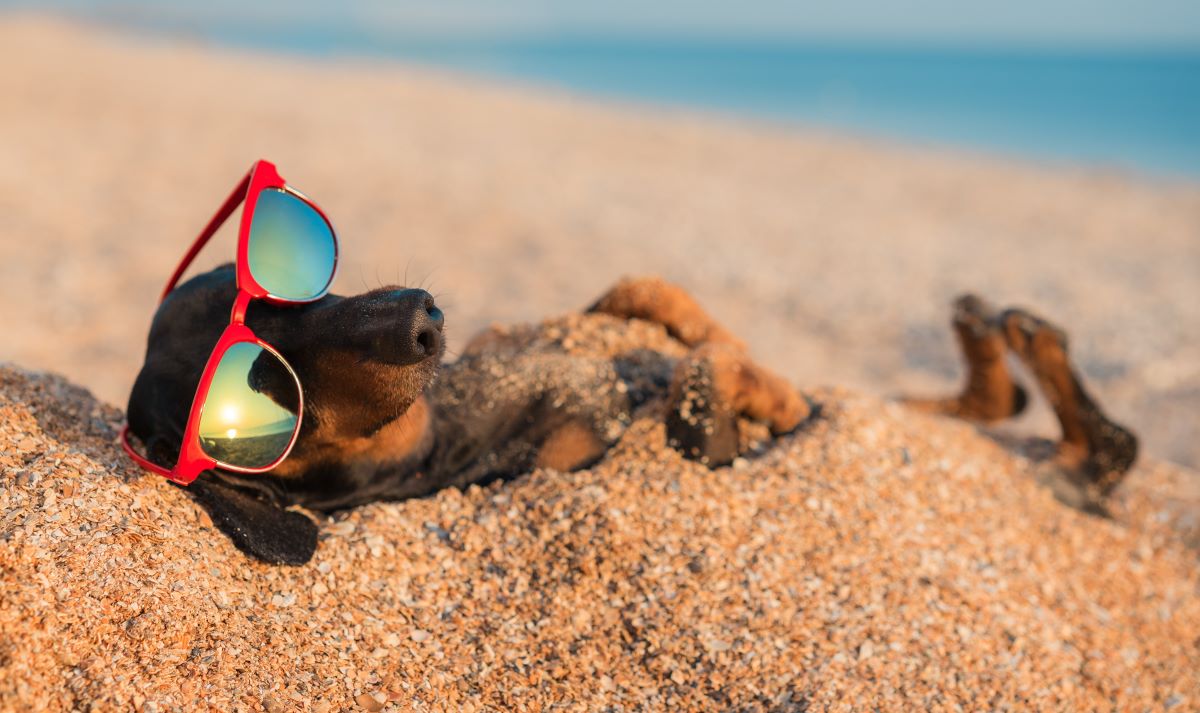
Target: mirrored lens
x=291 y=247
x=251 y=410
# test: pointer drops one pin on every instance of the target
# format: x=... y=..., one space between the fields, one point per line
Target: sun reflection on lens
x=231 y=433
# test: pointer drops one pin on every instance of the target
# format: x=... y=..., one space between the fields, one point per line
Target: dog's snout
x=420 y=322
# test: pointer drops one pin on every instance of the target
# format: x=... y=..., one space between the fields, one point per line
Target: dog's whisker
x=427 y=282
x=407 y=266
x=442 y=296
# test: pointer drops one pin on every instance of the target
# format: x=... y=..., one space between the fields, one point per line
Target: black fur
x=256 y=526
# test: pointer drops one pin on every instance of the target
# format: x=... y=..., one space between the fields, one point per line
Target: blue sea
x=1126 y=109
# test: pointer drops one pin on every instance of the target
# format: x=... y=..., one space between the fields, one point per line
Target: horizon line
x=134 y=18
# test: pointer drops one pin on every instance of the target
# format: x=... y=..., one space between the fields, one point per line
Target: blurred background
x=825 y=178
x=1110 y=82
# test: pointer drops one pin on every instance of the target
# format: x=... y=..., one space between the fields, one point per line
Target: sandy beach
x=882 y=556
x=836 y=259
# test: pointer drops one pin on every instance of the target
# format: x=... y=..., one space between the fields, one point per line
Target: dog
x=385 y=419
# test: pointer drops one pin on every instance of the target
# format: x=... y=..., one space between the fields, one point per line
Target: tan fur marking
x=1093 y=446
x=990 y=393
x=396 y=441
x=1049 y=362
x=572 y=446
x=656 y=300
x=751 y=390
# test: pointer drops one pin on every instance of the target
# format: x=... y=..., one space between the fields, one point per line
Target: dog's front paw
x=714 y=386
x=701 y=429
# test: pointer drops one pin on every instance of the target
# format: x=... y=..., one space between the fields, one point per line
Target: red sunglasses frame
x=192 y=459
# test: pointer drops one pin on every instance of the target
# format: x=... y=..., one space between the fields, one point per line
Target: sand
x=881 y=558
x=835 y=258
x=878 y=558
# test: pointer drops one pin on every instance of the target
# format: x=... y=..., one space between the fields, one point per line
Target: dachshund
x=386 y=419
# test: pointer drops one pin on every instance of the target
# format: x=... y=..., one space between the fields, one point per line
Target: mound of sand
x=880 y=556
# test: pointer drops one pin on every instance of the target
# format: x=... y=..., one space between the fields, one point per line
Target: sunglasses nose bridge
x=241 y=304
x=299 y=261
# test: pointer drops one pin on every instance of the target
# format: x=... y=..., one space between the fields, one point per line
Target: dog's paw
x=714 y=386
x=702 y=430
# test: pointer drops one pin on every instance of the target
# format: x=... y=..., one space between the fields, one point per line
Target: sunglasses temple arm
x=138 y=457
x=231 y=203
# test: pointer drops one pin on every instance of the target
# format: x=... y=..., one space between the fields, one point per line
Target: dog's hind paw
x=1093 y=446
x=990 y=393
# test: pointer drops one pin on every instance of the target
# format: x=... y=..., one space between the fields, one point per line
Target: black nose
x=419 y=326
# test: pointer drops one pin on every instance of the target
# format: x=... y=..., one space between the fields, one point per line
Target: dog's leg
x=990 y=394
x=656 y=300
x=711 y=387
x=1095 y=453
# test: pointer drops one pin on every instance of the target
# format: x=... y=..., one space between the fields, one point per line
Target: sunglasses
x=248 y=406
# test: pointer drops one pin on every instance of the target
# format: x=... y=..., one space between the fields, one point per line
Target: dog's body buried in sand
x=384 y=419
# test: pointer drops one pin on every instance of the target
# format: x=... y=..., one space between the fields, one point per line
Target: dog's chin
x=382 y=395
x=385 y=360
x=406 y=373
x=397 y=387
x=352 y=395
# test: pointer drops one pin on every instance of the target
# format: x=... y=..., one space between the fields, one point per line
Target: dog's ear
x=257 y=527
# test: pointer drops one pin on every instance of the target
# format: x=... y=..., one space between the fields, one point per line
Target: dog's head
x=363 y=363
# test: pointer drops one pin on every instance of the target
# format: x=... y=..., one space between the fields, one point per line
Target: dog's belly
x=565 y=389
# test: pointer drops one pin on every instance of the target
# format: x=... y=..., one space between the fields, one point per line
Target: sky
x=1140 y=23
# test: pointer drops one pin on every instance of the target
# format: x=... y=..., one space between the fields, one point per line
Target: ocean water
x=1126 y=109
x=1134 y=110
